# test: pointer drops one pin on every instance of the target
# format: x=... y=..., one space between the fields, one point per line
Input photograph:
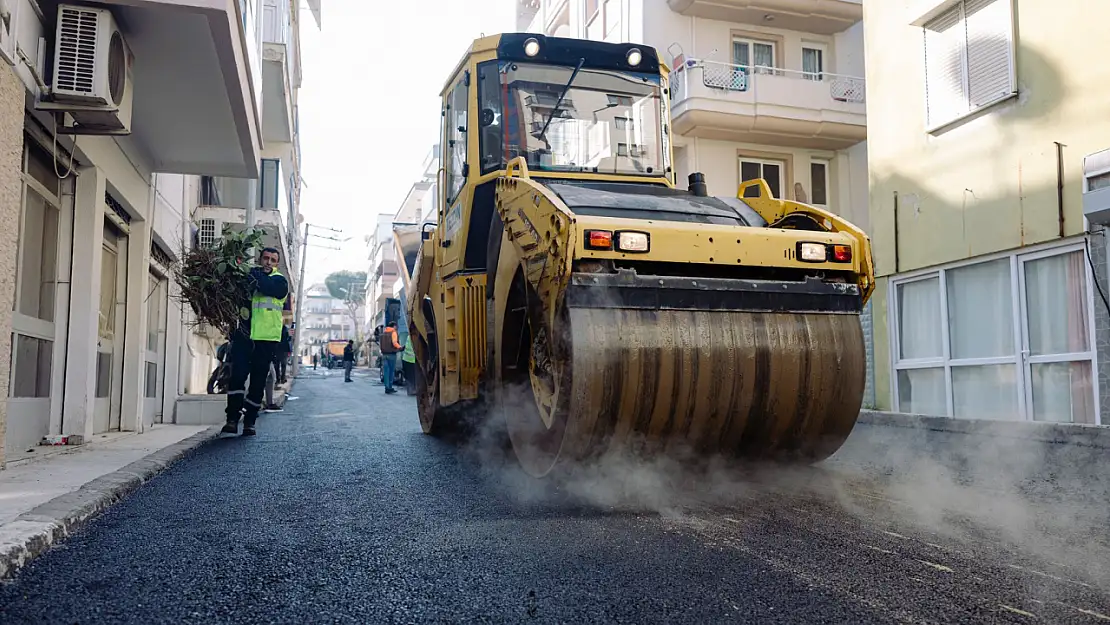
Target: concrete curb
x=1056 y=433
x=34 y=532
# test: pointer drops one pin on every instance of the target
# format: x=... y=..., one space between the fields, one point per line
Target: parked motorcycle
x=221 y=376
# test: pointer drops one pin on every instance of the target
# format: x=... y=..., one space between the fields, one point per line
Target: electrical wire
x=1094 y=274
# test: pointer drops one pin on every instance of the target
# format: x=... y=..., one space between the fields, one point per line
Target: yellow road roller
x=572 y=291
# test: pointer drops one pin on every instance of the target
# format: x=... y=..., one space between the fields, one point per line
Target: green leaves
x=213 y=279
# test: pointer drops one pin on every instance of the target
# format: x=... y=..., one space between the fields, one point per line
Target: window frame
x=823 y=50
x=1020 y=359
x=971 y=110
x=827 y=164
x=23 y=324
x=782 y=164
x=450 y=191
x=751 y=67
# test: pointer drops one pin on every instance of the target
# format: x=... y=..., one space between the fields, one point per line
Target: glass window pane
x=489 y=94
x=764 y=55
x=740 y=53
x=921 y=391
x=985 y=392
x=919 y=319
x=33 y=361
x=38 y=257
x=773 y=175
x=153 y=312
x=1056 y=300
x=1062 y=392
x=40 y=165
x=151 y=379
x=103 y=374
x=819 y=183
x=981 y=310
x=107 y=325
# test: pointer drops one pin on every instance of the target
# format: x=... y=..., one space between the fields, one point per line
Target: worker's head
x=392 y=325
x=269 y=259
x=351 y=342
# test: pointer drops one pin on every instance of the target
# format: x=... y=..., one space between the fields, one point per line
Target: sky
x=369 y=108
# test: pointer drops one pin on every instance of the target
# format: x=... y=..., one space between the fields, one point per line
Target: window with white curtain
x=750 y=53
x=969 y=59
x=813 y=62
x=1005 y=338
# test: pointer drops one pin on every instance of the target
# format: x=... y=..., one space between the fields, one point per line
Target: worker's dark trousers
x=248 y=359
x=409 y=369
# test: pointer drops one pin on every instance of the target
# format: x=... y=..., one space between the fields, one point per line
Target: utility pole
x=300 y=292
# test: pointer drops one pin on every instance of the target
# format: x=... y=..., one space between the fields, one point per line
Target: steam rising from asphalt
x=1025 y=497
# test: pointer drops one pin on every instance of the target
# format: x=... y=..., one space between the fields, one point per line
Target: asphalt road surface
x=341 y=511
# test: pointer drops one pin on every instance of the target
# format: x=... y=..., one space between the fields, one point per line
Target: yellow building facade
x=980 y=114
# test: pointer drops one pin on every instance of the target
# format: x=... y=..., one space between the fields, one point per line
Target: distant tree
x=345 y=284
x=350 y=287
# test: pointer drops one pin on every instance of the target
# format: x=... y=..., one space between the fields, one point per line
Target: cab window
x=489 y=116
x=455 y=151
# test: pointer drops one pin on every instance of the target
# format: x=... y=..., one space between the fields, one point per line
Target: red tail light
x=842 y=253
x=599 y=240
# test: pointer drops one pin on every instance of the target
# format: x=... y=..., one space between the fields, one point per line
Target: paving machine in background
x=572 y=291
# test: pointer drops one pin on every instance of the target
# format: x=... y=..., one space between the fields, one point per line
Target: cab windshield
x=607 y=122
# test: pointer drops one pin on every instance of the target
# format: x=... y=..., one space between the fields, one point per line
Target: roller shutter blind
x=968 y=58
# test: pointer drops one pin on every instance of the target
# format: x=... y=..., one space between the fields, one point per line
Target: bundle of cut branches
x=215 y=279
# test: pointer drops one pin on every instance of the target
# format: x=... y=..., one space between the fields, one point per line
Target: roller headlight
x=532 y=46
x=813 y=252
x=634 y=57
x=632 y=241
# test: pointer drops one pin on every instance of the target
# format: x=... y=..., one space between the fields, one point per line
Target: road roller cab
x=571 y=290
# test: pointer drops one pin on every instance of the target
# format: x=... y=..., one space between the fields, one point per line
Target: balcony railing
x=746 y=79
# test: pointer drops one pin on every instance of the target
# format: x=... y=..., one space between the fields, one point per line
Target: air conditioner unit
x=92 y=71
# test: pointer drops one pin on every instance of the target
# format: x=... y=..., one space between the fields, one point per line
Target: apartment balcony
x=196 y=81
x=824 y=17
x=767 y=105
x=281 y=71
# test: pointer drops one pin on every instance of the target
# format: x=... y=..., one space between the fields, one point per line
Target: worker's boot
x=248 y=425
x=231 y=427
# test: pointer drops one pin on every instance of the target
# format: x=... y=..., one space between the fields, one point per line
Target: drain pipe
x=897 y=264
x=1060 y=185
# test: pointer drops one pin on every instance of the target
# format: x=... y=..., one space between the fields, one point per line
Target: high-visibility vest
x=409 y=355
x=266 y=319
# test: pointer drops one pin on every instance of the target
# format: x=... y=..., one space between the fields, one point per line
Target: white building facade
x=104 y=177
x=419 y=206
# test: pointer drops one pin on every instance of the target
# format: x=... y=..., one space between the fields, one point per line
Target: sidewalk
x=44 y=499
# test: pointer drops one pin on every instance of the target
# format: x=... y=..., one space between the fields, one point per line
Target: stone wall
x=869 y=349
x=12 y=95
x=1097 y=248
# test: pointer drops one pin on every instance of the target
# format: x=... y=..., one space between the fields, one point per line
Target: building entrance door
x=109 y=352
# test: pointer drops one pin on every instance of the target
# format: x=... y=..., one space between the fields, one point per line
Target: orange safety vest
x=388 y=342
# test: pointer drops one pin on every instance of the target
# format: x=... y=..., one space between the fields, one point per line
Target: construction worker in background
x=254 y=343
x=390 y=347
x=408 y=366
x=348 y=360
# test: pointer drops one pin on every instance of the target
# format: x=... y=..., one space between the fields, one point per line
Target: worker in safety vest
x=408 y=366
x=390 y=347
x=255 y=342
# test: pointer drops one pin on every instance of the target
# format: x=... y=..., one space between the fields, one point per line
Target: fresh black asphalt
x=342 y=511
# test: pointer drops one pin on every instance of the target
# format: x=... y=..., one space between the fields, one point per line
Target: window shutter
x=989 y=50
x=945 y=84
